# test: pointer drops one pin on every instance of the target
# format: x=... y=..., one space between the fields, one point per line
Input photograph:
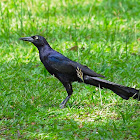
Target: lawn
x=102 y=34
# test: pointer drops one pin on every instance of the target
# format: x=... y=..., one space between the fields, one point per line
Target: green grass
x=107 y=34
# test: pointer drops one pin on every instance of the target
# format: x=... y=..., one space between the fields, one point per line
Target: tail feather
x=122 y=91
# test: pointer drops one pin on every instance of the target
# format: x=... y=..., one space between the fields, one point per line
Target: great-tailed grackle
x=68 y=71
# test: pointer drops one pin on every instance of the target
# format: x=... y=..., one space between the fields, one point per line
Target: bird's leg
x=69 y=90
x=62 y=105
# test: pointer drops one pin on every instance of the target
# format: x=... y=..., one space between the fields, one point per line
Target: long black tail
x=122 y=91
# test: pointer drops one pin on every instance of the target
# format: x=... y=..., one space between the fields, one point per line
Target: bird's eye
x=35 y=37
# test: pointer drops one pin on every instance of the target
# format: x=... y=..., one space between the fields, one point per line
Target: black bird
x=68 y=71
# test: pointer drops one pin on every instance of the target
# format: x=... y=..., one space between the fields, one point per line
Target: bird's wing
x=87 y=71
x=64 y=65
x=60 y=64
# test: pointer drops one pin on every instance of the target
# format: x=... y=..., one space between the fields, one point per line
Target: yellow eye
x=36 y=37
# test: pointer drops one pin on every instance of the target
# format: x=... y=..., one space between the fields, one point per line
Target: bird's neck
x=45 y=48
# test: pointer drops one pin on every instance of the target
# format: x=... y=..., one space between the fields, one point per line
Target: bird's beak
x=30 y=39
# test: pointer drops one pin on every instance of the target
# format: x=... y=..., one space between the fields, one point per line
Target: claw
x=62 y=105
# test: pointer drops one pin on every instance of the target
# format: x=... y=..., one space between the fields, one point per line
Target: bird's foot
x=62 y=106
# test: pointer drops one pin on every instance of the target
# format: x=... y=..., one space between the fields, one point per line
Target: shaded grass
x=107 y=36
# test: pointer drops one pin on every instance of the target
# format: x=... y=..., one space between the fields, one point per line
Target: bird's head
x=38 y=41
